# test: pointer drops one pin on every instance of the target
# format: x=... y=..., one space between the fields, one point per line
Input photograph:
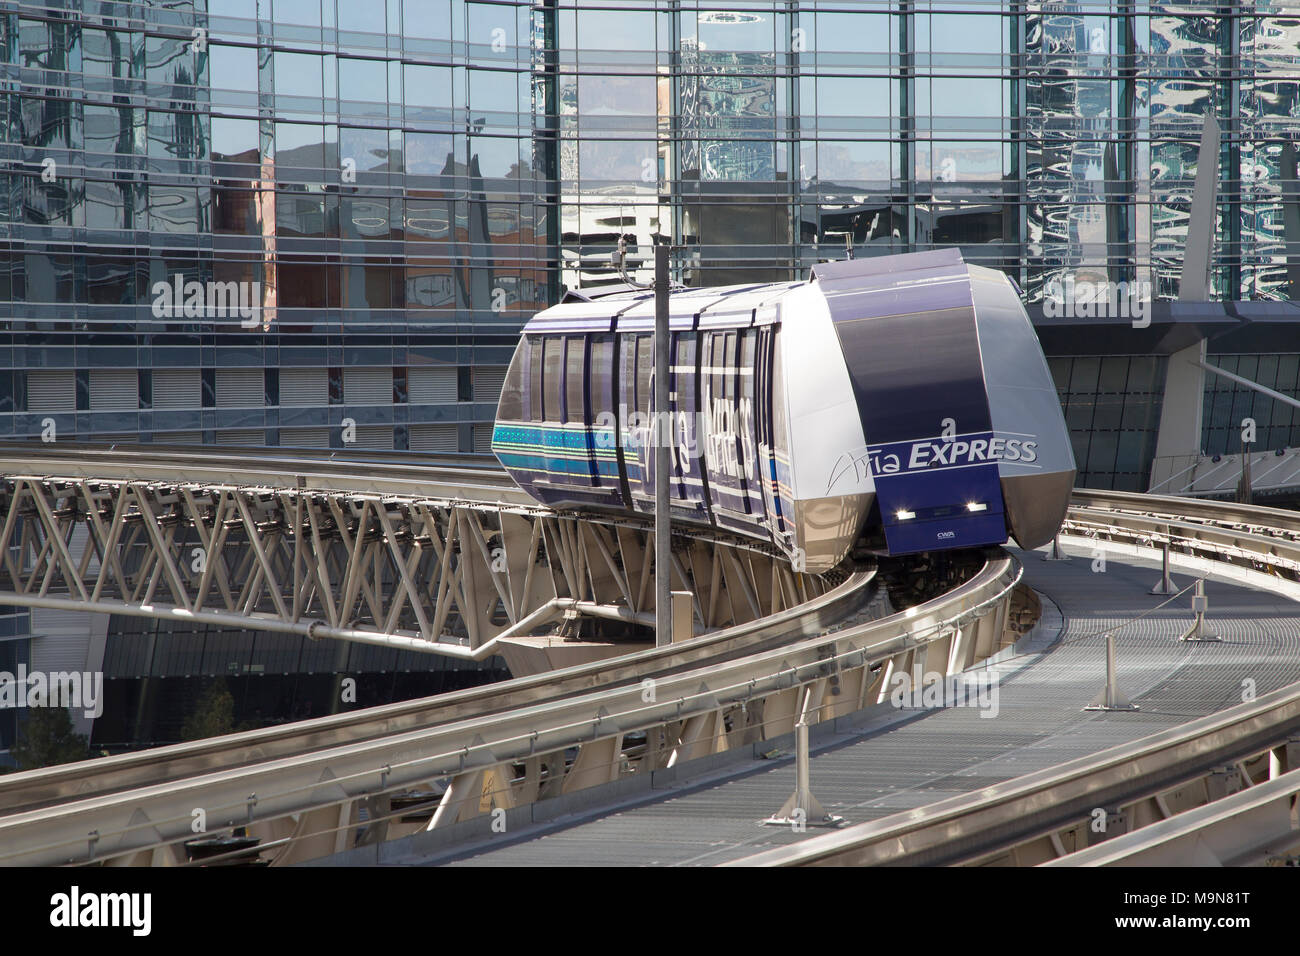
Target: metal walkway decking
x=905 y=759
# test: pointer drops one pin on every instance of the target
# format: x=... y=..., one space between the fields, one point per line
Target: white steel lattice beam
x=433 y=575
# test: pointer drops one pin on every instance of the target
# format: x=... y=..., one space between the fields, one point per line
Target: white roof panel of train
x=635 y=310
x=596 y=316
x=736 y=303
x=739 y=309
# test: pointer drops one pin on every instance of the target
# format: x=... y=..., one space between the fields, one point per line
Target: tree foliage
x=213 y=714
x=47 y=739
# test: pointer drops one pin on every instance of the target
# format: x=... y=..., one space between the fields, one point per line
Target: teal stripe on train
x=555 y=448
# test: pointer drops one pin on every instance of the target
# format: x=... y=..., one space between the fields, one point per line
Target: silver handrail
x=159 y=764
x=969 y=826
x=149 y=816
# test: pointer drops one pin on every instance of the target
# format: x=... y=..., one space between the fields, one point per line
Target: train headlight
x=976 y=506
x=903 y=514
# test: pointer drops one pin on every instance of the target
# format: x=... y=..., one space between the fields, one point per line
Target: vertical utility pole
x=1245 y=494
x=662 y=433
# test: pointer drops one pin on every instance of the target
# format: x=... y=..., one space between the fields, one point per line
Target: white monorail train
x=898 y=405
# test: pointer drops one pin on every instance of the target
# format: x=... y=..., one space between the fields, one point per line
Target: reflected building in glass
x=404 y=182
x=398 y=185
x=366 y=171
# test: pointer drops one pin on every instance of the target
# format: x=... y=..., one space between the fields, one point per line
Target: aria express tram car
x=892 y=405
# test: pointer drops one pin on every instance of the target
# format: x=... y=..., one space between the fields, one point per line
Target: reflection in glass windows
x=497 y=156
x=307 y=285
x=171 y=62
x=426 y=88
x=300 y=12
x=108 y=131
x=508 y=146
x=174 y=209
x=306 y=212
x=108 y=53
x=49 y=45
x=233 y=67
x=428 y=218
x=300 y=146
x=236 y=209
x=427 y=19
x=493 y=91
x=298 y=74
x=433 y=154
x=367 y=149
x=176 y=135
x=1277 y=424
x=111 y=281
x=109 y=204
x=1112 y=409
x=52 y=278
x=363 y=80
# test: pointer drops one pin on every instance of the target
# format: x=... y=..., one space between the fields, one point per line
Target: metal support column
x=1245 y=494
x=1184 y=390
x=662 y=435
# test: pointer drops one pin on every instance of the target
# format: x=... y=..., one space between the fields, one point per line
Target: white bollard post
x=1166 y=585
x=1199 y=631
x=1110 y=697
x=802 y=809
x=1056 y=554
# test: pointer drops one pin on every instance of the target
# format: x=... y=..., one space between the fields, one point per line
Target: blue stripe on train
x=580 y=442
x=569 y=437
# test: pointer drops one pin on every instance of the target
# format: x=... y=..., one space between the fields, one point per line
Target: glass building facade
x=313 y=223
x=363 y=173
x=397 y=185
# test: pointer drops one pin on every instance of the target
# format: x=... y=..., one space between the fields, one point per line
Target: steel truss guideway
x=417 y=573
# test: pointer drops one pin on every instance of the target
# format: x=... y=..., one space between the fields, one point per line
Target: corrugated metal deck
x=937 y=754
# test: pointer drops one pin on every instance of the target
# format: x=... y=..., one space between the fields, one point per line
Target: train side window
x=575 y=378
x=683 y=362
x=535 y=380
x=729 y=361
x=645 y=364
x=627 y=379
x=748 y=381
x=600 y=378
x=717 y=360
x=511 y=406
x=553 y=378
x=706 y=368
